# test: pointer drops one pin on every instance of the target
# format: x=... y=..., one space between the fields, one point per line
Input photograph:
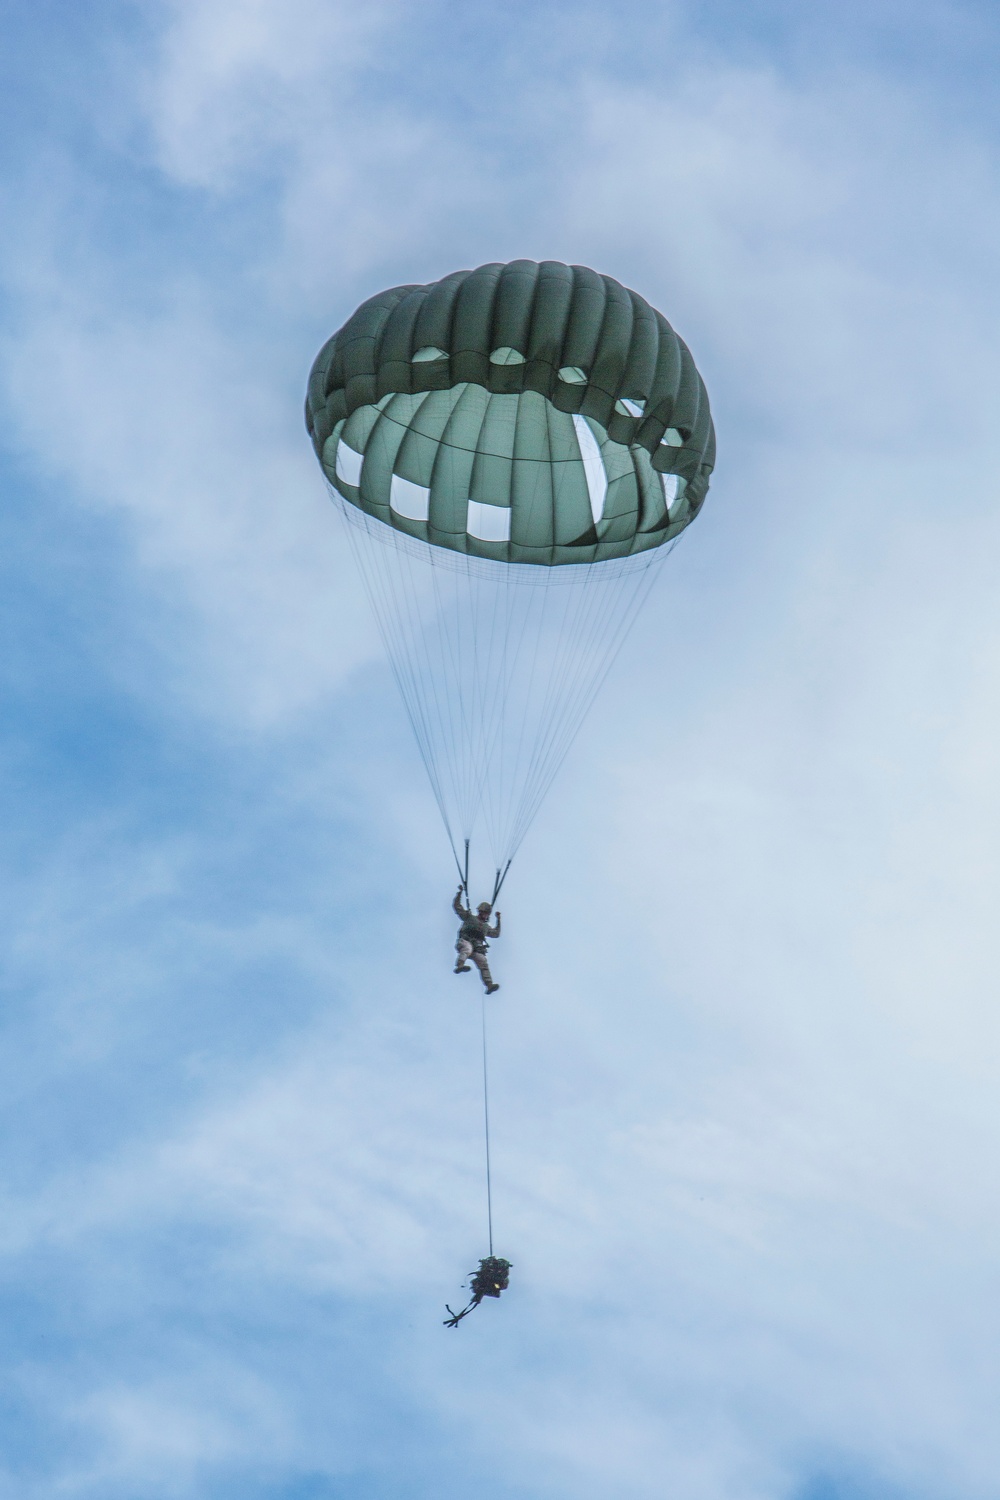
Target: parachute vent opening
x=593 y=466
x=573 y=375
x=506 y=356
x=630 y=406
x=429 y=353
x=672 y=439
x=412 y=501
x=349 y=464
x=490 y=523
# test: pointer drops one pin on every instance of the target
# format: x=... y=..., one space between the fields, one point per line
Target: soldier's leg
x=464 y=950
x=482 y=963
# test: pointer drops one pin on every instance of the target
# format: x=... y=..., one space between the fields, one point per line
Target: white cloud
x=746 y=1116
x=238 y=80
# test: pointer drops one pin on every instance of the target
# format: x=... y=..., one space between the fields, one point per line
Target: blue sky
x=745 y=1064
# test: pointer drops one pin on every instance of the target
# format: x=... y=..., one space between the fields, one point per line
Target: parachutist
x=513 y=448
x=472 y=935
x=490 y=1280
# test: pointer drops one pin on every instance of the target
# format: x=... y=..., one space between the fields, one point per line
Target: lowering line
x=493 y=1276
x=486 y=1120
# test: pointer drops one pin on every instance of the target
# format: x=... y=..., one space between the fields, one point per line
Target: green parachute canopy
x=515 y=450
x=525 y=413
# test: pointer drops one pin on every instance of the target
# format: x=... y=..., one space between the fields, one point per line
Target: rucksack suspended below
x=490 y=1280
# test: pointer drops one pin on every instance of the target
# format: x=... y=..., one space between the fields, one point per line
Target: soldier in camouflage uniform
x=472 y=935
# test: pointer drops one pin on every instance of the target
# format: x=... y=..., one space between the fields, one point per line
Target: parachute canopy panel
x=524 y=413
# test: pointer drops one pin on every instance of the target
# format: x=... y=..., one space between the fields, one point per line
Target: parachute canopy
x=525 y=413
x=514 y=448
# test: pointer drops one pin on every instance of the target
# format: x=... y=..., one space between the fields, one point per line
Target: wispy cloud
x=744 y=1064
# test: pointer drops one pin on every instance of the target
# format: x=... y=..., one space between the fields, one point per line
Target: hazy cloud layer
x=745 y=1062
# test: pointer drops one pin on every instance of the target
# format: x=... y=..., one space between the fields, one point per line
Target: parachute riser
x=463 y=869
x=463 y=875
x=498 y=882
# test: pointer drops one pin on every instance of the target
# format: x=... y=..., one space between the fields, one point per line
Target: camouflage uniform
x=472 y=937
